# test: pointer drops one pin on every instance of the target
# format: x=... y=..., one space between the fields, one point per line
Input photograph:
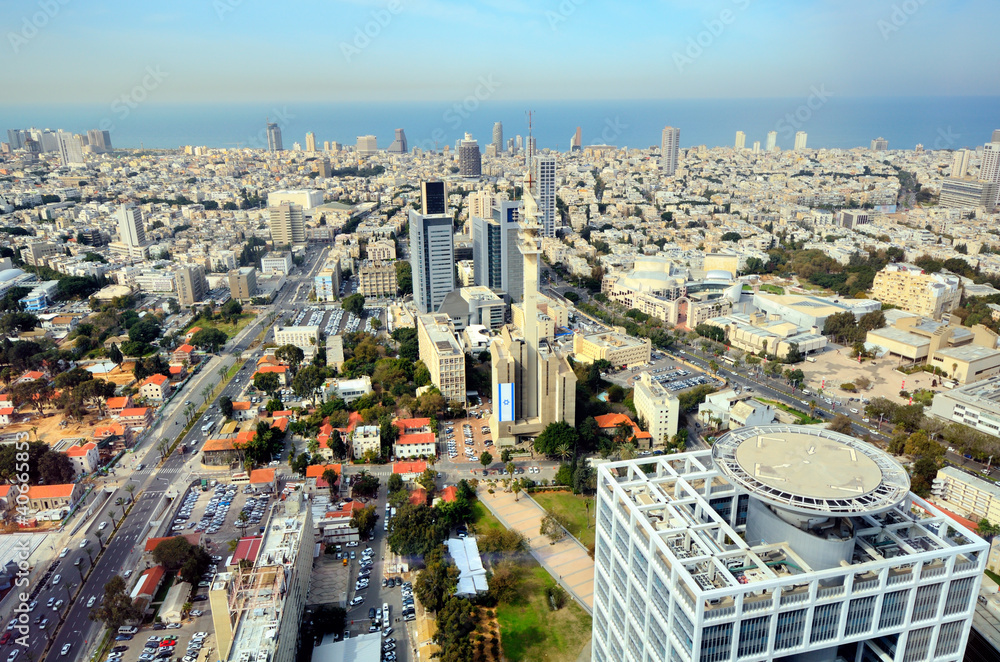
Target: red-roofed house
x=117 y=405
x=136 y=417
x=184 y=353
x=30 y=376
x=314 y=476
x=47 y=497
x=149 y=583
x=84 y=458
x=608 y=423
x=335 y=525
x=448 y=494
x=409 y=470
x=155 y=388
x=280 y=370
x=280 y=424
x=418 y=497
x=263 y=480
x=119 y=436
x=415 y=438
x=6 y=415
x=151 y=543
x=177 y=372
x=190 y=334
x=244 y=411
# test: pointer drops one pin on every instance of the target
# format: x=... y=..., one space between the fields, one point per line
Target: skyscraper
x=800 y=140
x=879 y=144
x=191 y=284
x=741 y=140
x=576 y=141
x=274 y=137
x=99 y=141
x=310 y=142
x=367 y=145
x=470 y=161
x=432 y=256
x=288 y=225
x=497 y=261
x=669 y=149
x=16 y=138
x=70 y=149
x=772 y=141
x=756 y=147
x=130 y=227
x=780 y=543
x=996 y=136
x=960 y=166
x=398 y=145
x=989 y=170
x=433 y=199
x=498 y=137
x=543 y=189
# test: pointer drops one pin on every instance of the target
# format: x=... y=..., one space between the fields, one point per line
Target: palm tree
x=627 y=452
x=130 y=488
x=34 y=432
x=516 y=488
x=242 y=522
x=121 y=502
x=563 y=450
x=510 y=468
x=812 y=408
x=100 y=541
x=623 y=432
x=713 y=366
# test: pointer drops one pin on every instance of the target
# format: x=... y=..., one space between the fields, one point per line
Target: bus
x=207 y=427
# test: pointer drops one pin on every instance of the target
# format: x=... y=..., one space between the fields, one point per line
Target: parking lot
x=665 y=370
x=190 y=641
x=335 y=320
x=463 y=440
x=219 y=506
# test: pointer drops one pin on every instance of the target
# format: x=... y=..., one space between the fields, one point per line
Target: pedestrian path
x=568 y=561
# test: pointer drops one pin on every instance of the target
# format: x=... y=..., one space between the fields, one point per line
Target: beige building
x=443 y=355
x=288 y=225
x=366 y=439
x=382 y=250
x=304 y=337
x=722 y=262
x=551 y=315
x=243 y=283
x=377 y=279
x=658 y=407
x=191 y=285
x=616 y=347
x=966 y=495
x=760 y=333
x=907 y=287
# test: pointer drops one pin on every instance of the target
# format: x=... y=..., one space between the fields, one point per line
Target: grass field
x=229 y=329
x=529 y=630
x=803 y=417
x=573 y=511
x=484 y=519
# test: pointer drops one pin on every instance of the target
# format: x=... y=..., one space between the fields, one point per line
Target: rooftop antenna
x=529 y=152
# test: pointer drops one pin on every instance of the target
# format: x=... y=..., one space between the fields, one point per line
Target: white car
x=56 y=579
x=65 y=649
x=91 y=601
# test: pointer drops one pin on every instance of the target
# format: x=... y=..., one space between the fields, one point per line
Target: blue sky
x=92 y=51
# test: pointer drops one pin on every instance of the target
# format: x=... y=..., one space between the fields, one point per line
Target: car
x=102 y=526
x=200 y=635
x=65 y=649
x=114 y=656
x=196 y=612
x=127 y=574
x=58 y=605
x=91 y=601
x=123 y=637
x=146 y=657
x=13 y=655
x=56 y=580
x=64 y=552
x=153 y=639
x=387 y=632
x=84 y=542
x=119 y=649
x=159 y=626
x=177 y=626
x=357 y=600
x=44 y=622
x=4 y=638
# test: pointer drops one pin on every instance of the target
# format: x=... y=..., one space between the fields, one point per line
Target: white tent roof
x=472 y=574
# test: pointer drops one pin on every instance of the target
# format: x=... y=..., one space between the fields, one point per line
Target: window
x=949 y=638
x=658 y=641
x=683 y=629
x=824 y=626
x=917 y=644
x=925 y=603
x=893 y=609
x=753 y=636
x=959 y=596
x=791 y=627
x=716 y=643
x=859 y=616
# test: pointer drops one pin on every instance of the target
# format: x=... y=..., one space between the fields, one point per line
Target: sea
x=829 y=120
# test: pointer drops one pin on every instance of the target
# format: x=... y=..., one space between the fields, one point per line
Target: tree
x=36 y=393
x=436 y=581
x=268 y=382
x=364 y=521
x=116 y=607
x=486 y=459
x=231 y=310
x=209 y=340
x=308 y=380
x=394 y=483
x=15 y=322
x=291 y=355
x=332 y=479
x=404 y=277
x=841 y=423
x=95 y=392
x=145 y=330
x=554 y=435
x=504 y=583
x=172 y=553
x=56 y=469
x=354 y=303
x=226 y=406
x=337 y=446
x=416 y=530
x=552 y=528
x=365 y=485
x=427 y=480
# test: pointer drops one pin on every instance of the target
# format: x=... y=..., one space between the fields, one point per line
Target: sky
x=224 y=51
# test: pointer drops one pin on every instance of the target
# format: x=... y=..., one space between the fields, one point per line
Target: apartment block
x=964 y=494
x=191 y=285
x=658 y=407
x=243 y=283
x=909 y=288
x=305 y=337
x=616 y=347
x=366 y=439
x=327 y=282
x=383 y=250
x=442 y=354
x=377 y=279
x=781 y=542
x=277 y=262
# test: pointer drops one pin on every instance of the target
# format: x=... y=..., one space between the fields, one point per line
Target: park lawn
x=572 y=509
x=773 y=289
x=229 y=329
x=483 y=519
x=804 y=418
x=529 y=630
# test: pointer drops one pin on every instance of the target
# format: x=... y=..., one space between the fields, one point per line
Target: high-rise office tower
x=498 y=137
x=288 y=225
x=16 y=138
x=432 y=254
x=310 y=142
x=470 y=161
x=130 y=226
x=433 y=199
x=669 y=149
x=879 y=144
x=70 y=149
x=366 y=145
x=989 y=169
x=398 y=145
x=274 y=137
x=756 y=147
x=543 y=188
x=99 y=141
x=191 y=284
x=800 y=140
x=780 y=543
x=296 y=147
x=326 y=145
x=960 y=165
x=772 y=141
x=996 y=136
x=576 y=141
x=741 y=140
x=323 y=167
x=498 y=262
x=511 y=146
x=519 y=142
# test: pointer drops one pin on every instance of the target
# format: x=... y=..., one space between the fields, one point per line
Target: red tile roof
x=247 y=549
x=261 y=476
x=151 y=579
x=419 y=438
x=280 y=424
x=50 y=491
x=611 y=421
x=241 y=406
x=7 y=410
x=187 y=349
x=317 y=470
x=418 y=497
x=414 y=467
x=193 y=538
x=159 y=380
x=135 y=411
x=449 y=494
x=411 y=423
x=117 y=403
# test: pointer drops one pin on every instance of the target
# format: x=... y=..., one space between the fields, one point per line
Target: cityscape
x=455 y=349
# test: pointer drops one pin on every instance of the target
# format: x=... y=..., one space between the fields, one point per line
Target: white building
x=304 y=337
x=782 y=542
x=657 y=406
x=348 y=390
x=305 y=198
x=365 y=439
x=277 y=263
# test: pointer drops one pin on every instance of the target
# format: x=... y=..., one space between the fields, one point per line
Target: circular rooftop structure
x=10 y=274
x=811 y=471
